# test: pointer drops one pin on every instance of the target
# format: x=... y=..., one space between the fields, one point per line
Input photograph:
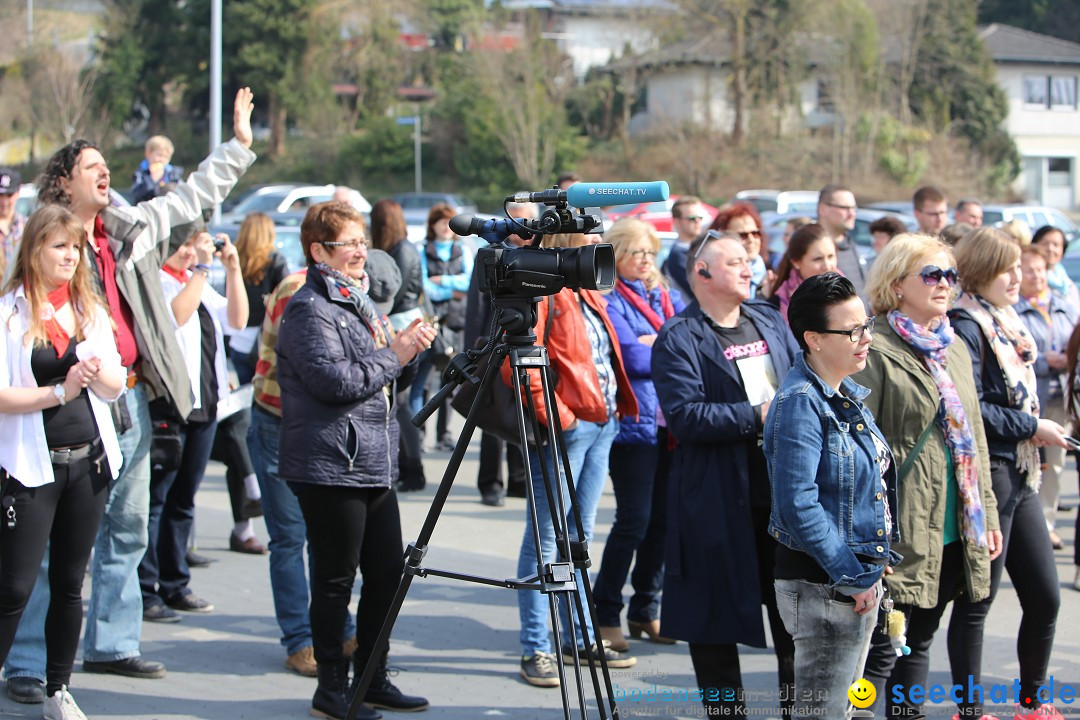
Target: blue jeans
x=639 y=474
x=831 y=643
x=419 y=383
x=164 y=573
x=587 y=447
x=114 y=619
x=288 y=533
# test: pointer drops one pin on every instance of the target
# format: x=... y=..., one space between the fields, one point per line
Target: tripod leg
x=416 y=550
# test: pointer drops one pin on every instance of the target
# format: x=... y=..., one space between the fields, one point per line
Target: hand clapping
x=413 y=340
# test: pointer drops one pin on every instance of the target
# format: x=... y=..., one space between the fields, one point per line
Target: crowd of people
x=839 y=437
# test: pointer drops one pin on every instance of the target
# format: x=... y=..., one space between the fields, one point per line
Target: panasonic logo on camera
x=616 y=191
x=532 y=285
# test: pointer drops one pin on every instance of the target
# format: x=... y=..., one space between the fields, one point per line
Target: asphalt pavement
x=456 y=643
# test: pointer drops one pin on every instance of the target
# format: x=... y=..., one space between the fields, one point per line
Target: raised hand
x=242 y=108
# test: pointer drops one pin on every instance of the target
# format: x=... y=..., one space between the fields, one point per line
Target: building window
x=1050 y=91
x=1063 y=91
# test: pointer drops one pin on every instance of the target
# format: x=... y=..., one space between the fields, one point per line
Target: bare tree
x=526 y=90
x=61 y=88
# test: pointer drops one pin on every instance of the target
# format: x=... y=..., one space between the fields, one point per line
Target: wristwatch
x=60 y=393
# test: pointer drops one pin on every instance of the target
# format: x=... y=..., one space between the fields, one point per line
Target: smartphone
x=1073 y=442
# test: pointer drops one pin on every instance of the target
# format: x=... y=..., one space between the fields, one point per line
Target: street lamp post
x=414 y=120
x=215 y=83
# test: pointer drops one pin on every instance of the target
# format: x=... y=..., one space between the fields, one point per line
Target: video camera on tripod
x=516 y=278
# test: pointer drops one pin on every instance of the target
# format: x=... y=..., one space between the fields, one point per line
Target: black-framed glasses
x=931 y=275
x=855 y=334
x=852 y=208
x=347 y=245
x=642 y=254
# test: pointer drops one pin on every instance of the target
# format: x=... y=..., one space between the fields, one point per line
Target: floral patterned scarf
x=1016 y=353
x=932 y=345
x=356 y=292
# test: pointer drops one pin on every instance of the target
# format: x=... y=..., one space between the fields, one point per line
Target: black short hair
x=1044 y=231
x=808 y=310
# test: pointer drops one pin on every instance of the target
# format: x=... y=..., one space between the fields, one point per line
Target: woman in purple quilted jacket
x=640 y=456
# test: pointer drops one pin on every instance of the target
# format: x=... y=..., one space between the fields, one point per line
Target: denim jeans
x=831 y=643
x=288 y=533
x=114 y=619
x=639 y=475
x=587 y=447
x=418 y=388
x=164 y=573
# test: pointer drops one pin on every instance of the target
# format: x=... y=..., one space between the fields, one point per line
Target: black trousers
x=885 y=669
x=350 y=527
x=717 y=665
x=230 y=448
x=490 y=476
x=1029 y=558
x=64 y=514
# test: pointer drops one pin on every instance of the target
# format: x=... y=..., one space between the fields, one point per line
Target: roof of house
x=1009 y=44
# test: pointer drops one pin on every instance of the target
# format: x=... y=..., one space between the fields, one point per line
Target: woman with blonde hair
x=1003 y=356
x=59 y=369
x=640 y=456
x=924 y=400
x=262 y=268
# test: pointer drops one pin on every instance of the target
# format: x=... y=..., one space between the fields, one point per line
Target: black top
x=208 y=385
x=71 y=424
x=276 y=270
x=743 y=347
x=407 y=258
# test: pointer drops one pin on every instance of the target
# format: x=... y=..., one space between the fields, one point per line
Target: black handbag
x=166 y=445
x=496 y=412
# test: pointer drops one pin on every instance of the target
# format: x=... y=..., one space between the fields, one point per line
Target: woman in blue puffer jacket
x=640 y=456
x=339 y=362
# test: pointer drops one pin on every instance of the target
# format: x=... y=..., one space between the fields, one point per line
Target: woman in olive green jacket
x=921 y=383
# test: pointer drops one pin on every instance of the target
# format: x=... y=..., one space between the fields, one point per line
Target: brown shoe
x=651 y=629
x=302 y=662
x=615 y=638
x=251 y=546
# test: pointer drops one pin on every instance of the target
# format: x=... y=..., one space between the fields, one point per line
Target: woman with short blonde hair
x=624 y=235
x=924 y=399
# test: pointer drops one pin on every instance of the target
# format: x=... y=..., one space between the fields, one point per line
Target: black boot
x=411 y=478
x=332 y=697
x=382 y=693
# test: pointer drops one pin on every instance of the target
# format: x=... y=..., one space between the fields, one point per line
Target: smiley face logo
x=862 y=694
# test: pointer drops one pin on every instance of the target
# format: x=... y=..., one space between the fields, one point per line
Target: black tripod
x=514 y=338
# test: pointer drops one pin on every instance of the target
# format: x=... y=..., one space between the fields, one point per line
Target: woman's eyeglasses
x=855 y=334
x=744 y=236
x=350 y=246
x=932 y=274
x=642 y=254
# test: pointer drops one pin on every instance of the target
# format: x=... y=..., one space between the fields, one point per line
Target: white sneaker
x=61 y=706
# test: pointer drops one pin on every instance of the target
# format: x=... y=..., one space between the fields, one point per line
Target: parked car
x=416 y=205
x=288 y=198
x=1034 y=215
x=657 y=214
x=782 y=202
x=28 y=202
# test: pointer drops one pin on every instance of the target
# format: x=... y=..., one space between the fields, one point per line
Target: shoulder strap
x=909 y=461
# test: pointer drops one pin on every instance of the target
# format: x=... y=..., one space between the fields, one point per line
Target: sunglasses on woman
x=931 y=275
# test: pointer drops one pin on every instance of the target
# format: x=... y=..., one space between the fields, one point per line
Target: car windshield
x=288 y=244
x=265 y=202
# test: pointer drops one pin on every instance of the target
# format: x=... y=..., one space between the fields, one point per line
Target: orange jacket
x=577 y=386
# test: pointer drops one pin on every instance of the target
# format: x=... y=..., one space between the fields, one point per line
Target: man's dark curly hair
x=59 y=166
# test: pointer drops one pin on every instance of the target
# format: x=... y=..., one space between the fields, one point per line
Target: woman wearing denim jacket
x=1003 y=357
x=833 y=491
x=919 y=377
